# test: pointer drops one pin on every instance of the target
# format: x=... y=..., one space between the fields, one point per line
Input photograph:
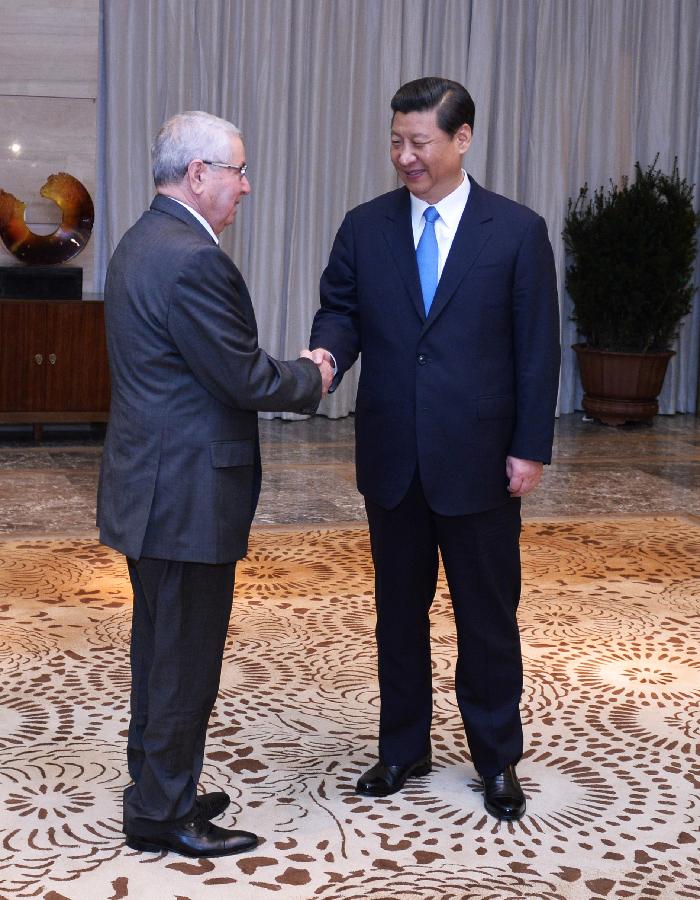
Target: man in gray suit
x=180 y=474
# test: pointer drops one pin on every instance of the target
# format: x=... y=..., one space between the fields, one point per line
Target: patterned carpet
x=611 y=629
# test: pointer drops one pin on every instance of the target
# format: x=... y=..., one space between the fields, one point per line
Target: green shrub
x=631 y=255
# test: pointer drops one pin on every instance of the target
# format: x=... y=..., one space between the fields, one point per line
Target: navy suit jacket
x=180 y=472
x=452 y=394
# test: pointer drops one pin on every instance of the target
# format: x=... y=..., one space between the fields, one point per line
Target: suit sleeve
x=336 y=325
x=212 y=323
x=536 y=345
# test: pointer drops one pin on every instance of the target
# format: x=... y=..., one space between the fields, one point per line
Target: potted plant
x=629 y=274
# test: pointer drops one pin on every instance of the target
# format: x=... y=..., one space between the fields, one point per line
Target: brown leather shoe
x=503 y=796
x=198 y=837
x=212 y=804
x=382 y=780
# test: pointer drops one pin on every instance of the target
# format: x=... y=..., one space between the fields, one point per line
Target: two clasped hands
x=325 y=363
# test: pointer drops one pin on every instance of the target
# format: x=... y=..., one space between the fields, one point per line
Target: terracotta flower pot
x=621 y=387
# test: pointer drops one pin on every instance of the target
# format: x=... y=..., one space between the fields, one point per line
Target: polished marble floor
x=49 y=488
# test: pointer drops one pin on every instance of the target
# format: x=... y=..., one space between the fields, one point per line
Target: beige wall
x=48 y=91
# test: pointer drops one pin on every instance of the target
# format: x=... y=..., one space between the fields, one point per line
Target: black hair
x=453 y=101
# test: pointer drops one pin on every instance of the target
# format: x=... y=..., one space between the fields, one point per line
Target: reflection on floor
x=309 y=477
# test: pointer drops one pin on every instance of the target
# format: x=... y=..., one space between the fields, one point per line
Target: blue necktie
x=427 y=257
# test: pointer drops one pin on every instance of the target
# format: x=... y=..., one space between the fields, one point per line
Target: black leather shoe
x=211 y=805
x=503 y=796
x=382 y=780
x=198 y=837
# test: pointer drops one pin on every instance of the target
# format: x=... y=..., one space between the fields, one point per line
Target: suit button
x=422 y=359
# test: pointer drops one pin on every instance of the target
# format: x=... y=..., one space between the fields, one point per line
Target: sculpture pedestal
x=41 y=282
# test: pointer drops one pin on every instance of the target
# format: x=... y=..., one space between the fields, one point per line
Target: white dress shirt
x=197 y=216
x=450 y=210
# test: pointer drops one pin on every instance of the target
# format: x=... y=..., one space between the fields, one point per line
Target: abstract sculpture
x=66 y=241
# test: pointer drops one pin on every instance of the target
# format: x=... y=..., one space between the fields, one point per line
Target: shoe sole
x=418 y=772
x=144 y=845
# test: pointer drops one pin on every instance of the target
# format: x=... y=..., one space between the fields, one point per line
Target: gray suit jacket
x=180 y=472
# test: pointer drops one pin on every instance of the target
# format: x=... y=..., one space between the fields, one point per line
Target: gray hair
x=189 y=135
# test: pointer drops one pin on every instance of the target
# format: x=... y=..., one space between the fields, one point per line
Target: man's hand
x=322 y=358
x=320 y=354
x=523 y=475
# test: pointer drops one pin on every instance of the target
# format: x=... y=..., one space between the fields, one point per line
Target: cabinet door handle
x=38 y=359
x=52 y=359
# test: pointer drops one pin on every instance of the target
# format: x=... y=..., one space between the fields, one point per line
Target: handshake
x=326 y=364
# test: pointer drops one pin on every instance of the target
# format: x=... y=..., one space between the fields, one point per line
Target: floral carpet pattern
x=610 y=619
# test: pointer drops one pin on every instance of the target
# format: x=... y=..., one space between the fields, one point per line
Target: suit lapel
x=399 y=235
x=473 y=232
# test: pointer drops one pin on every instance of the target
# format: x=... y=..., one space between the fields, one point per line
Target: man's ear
x=463 y=136
x=196 y=175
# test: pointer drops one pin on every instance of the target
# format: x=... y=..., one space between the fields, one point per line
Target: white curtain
x=566 y=92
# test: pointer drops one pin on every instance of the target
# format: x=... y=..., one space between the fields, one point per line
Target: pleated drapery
x=566 y=92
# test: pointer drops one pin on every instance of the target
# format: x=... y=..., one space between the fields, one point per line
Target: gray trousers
x=180 y=619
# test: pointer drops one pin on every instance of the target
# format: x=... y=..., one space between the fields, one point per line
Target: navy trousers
x=481 y=558
x=180 y=618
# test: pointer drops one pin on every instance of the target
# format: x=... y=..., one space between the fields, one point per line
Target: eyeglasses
x=240 y=169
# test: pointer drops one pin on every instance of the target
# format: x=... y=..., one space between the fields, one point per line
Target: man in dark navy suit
x=180 y=473
x=449 y=293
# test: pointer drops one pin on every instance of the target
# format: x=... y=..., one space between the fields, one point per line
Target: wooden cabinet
x=53 y=362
